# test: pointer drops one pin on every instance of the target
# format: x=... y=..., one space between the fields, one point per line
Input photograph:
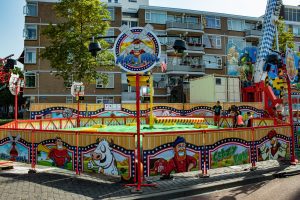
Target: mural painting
x=12 y=149
x=297 y=149
x=103 y=158
x=164 y=113
x=229 y=155
x=246 y=69
x=112 y=113
x=174 y=160
x=274 y=148
x=55 y=154
x=201 y=113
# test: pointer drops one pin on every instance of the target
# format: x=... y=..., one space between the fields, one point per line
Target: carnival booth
x=138 y=140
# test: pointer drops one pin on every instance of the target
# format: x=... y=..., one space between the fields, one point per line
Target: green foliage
x=285 y=37
x=17 y=70
x=68 y=50
x=4 y=121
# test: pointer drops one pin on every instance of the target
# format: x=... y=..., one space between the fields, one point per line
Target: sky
x=12 y=18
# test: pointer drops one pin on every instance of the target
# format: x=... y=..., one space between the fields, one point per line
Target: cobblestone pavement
x=52 y=183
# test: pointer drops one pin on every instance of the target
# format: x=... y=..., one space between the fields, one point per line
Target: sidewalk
x=54 y=183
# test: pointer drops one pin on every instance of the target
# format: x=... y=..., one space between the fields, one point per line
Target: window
x=69 y=99
x=68 y=83
x=110 y=32
x=155 y=17
x=297 y=46
x=130 y=15
x=291 y=14
x=110 y=82
x=213 y=62
x=213 y=22
x=132 y=1
x=130 y=23
x=163 y=40
x=296 y=30
x=116 y=1
x=186 y=61
x=30 y=32
x=30 y=56
x=218 y=81
x=194 y=40
x=212 y=41
x=112 y=13
x=160 y=81
x=191 y=19
x=30 y=9
x=30 y=79
x=236 y=24
x=250 y=26
x=104 y=100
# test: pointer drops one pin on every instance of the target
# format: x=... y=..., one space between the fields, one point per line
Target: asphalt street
x=54 y=183
x=280 y=189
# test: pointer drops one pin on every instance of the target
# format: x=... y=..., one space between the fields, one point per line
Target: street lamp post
x=15 y=83
x=77 y=90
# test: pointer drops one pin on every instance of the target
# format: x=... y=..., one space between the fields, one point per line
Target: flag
x=163 y=66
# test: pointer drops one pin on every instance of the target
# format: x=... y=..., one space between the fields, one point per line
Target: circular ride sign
x=137 y=49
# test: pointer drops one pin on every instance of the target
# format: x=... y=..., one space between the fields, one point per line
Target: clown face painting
x=179 y=162
x=274 y=149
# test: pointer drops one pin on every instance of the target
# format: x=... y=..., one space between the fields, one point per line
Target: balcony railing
x=253 y=33
x=187 y=26
x=195 y=47
x=128 y=96
x=185 y=66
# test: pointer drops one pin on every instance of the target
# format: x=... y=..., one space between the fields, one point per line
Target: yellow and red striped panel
x=182 y=120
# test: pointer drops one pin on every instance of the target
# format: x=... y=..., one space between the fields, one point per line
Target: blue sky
x=12 y=18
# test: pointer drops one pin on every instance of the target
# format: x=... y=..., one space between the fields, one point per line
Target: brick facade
x=52 y=89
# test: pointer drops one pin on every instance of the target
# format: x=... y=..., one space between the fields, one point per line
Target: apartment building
x=291 y=16
x=207 y=35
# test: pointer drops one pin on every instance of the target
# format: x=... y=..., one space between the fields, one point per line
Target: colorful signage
x=137 y=49
x=229 y=155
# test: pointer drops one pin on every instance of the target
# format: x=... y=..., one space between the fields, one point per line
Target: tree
x=68 y=49
x=285 y=36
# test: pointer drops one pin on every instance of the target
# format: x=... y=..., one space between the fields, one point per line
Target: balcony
x=180 y=27
x=128 y=97
x=185 y=66
x=192 y=49
x=253 y=35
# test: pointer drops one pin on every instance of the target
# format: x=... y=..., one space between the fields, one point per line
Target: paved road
x=279 y=189
x=53 y=183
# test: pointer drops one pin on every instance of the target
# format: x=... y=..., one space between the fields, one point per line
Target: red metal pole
x=253 y=149
x=16 y=106
x=293 y=159
x=32 y=151
x=137 y=80
x=78 y=112
x=77 y=156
